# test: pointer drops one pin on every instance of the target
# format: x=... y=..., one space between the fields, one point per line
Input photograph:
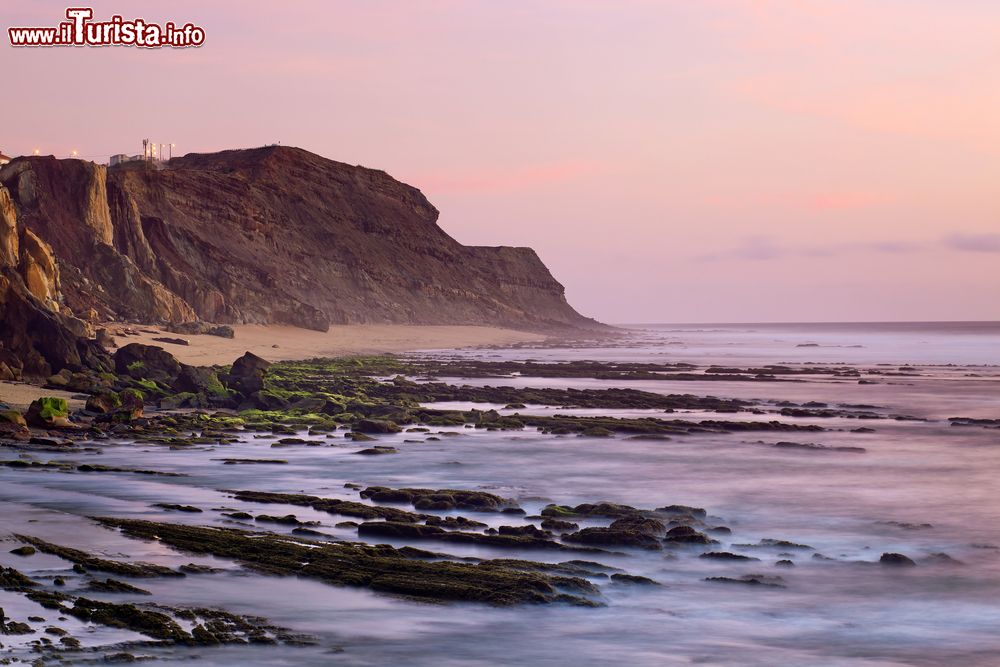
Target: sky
x=670 y=161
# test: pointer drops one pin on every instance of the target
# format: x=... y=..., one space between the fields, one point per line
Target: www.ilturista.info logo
x=79 y=30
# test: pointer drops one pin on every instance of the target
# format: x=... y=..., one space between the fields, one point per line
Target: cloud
x=973 y=242
x=764 y=248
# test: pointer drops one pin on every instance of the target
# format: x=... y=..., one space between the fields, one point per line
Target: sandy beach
x=284 y=343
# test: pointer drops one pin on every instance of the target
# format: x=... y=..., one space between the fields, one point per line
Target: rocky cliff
x=269 y=235
x=37 y=333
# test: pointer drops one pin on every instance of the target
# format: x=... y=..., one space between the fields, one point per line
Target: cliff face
x=270 y=235
x=38 y=335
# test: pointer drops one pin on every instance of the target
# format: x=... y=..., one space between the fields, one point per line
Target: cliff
x=37 y=333
x=269 y=235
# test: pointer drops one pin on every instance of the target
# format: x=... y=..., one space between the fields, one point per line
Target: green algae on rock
x=378 y=567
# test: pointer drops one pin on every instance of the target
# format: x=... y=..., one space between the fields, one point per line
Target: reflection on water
x=848 y=506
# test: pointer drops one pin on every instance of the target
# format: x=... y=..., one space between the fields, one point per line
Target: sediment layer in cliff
x=270 y=235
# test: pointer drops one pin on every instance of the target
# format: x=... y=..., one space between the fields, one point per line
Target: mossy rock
x=47 y=412
x=104 y=403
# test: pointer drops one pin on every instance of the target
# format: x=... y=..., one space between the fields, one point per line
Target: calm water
x=848 y=506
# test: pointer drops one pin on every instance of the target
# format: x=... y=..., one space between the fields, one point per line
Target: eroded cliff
x=38 y=334
x=269 y=235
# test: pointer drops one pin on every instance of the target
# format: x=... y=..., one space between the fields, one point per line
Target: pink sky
x=718 y=160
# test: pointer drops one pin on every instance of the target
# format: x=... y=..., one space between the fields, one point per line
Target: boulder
x=263 y=400
x=247 y=374
x=640 y=524
x=7 y=373
x=147 y=362
x=199 y=380
x=201 y=328
x=13 y=426
x=896 y=560
x=131 y=405
x=48 y=412
x=376 y=426
x=105 y=339
x=612 y=537
x=120 y=407
x=104 y=403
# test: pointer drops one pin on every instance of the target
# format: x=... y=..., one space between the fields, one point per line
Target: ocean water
x=923 y=487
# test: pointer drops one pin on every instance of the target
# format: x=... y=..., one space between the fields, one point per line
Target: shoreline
x=287 y=343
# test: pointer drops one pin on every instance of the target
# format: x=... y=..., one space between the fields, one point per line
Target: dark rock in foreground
x=378 y=567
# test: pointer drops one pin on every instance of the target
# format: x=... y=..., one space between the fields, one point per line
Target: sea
x=922 y=480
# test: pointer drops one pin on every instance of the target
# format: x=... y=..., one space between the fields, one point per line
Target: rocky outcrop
x=270 y=235
x=37 y=337
x=8 y=231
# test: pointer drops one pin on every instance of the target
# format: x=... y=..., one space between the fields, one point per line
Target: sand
x=19 y=395
x=284 y=343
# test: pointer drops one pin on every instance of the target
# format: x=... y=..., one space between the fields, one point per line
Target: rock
x=201 y=328
x=449 y=498
x=247 y=374
x=319 y=405
x=146 y=245
x=263 y=400
x=61 y=379
x=529 y=531
x=750 y=580
x=104 y=403
x=178 y=508
x=201 y=380
x=36 y=339
x=7 y=373
x=376 y=426
x=48 y=412
x=131 y=405
x=622 y=578
x=695 y=512
x=725 y=555
x=181 y=400
x=687 y=535
x=287 y=520
x=171 y=341
x=105 y=339
x=115 y=586
x=559 y=525
x=13 y=426
x=611 y=537
x=896 y=560
x=26 y=550
x=645 y=525
x=147 y=362
x=9 y=244
x=377 y=451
